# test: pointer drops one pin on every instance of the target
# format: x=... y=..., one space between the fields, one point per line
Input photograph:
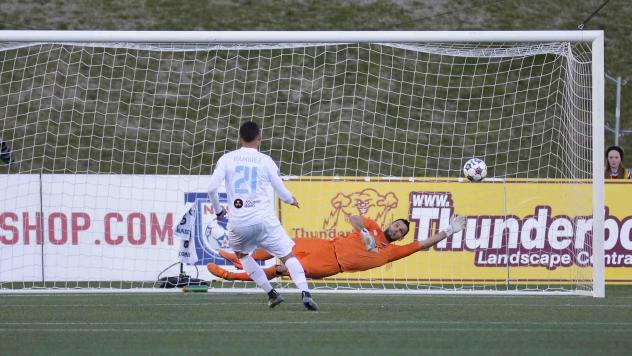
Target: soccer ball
x=475 y=169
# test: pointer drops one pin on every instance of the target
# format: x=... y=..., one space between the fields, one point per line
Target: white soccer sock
x=297 y=273
x=256 y=273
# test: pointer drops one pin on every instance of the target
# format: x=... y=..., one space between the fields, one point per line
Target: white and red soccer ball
x=475 y=169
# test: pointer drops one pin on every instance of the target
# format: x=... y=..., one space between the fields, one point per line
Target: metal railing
x=619 y=82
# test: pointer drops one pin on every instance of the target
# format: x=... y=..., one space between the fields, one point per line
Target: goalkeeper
x=368 y=246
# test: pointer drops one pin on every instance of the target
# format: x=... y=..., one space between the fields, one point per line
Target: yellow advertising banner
x=522 y=231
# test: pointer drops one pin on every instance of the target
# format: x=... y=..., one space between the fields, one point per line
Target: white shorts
x=270 y=237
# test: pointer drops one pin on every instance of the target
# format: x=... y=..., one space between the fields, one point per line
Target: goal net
x=106 y=144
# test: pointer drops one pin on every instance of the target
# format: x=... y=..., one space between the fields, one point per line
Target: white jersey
x=248 y=176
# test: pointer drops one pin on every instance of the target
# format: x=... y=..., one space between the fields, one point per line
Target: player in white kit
x=248 y=175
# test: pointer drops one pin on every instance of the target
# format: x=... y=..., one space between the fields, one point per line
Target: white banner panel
x=98 y=227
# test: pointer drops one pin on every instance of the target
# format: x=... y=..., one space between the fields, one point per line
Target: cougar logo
x=368 y=202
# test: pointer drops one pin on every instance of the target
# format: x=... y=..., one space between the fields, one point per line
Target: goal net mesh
x=104 y=142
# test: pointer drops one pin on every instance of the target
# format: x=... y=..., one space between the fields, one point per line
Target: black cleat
x=308 y=302
x=274 y=298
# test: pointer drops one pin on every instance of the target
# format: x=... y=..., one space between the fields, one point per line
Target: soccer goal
x=108 y=137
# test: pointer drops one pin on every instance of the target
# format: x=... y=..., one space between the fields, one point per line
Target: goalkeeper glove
x=368 y=240
x=457 y=223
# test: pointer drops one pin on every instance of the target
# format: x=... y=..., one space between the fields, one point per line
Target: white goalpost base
x=112 y=133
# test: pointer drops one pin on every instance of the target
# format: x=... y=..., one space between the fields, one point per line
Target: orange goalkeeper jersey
x=353 y=256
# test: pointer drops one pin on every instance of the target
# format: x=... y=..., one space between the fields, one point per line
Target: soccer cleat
x=274 y=298
x=230 y=257
x=217 y=271
x=308 y=302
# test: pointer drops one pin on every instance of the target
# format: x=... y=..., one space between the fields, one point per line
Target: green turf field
x=216 y=324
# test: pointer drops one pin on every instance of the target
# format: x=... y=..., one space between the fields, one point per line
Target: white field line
x=473 y=323
x=196 y=304
x=355 y=294
x=328 y=330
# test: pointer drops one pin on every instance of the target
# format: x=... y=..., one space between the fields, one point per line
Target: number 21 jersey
x=248 y=175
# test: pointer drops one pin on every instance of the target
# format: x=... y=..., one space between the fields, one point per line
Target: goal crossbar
x=298 y=36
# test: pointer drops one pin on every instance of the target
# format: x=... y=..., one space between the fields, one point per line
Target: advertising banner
x=104 y=227
x=520 y=231
x=121 y=227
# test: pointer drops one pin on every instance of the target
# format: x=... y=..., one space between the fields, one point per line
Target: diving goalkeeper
x=366 y=247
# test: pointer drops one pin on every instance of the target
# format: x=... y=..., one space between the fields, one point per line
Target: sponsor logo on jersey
x=238 y=203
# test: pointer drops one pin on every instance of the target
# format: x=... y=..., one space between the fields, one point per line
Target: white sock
x=256 y=273
x=297 y=273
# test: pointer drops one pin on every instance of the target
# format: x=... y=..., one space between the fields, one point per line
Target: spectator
x=614 y=167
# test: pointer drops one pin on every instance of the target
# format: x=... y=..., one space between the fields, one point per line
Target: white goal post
x=107 y=135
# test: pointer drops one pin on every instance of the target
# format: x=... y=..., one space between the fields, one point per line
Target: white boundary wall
x=94 y=227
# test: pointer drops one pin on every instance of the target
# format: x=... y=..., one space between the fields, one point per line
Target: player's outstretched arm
x=366 y=237
x=457 y=223
x=356 y=222
x=216 y=180
x=278 y=186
